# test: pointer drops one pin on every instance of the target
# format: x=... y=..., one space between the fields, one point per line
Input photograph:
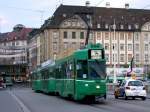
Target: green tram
x=80 y=76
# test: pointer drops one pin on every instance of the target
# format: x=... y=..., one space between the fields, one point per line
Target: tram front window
x=82 y=71
x=96 y=70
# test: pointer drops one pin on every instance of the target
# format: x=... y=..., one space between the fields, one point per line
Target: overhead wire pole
x=41 y=16
x=115 y=53
x=88 y=22
x=88 y=30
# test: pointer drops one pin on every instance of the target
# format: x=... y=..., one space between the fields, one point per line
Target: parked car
x=148 y=81
x=2 y=84
x=131 y=88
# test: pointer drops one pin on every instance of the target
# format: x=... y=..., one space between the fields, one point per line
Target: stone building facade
x=124 y=32
x=13 y=53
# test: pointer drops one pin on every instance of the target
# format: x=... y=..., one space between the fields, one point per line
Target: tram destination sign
x=95 y=54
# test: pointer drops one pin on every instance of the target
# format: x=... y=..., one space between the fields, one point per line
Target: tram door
x=69 y=82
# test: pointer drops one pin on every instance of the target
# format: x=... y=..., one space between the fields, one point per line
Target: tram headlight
x=97 y=86
x=86 y=85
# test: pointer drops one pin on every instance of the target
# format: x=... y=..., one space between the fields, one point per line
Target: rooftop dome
x=18 y=27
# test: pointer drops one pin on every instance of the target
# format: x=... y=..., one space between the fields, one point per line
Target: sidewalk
x=148 y=95
x=112 y=93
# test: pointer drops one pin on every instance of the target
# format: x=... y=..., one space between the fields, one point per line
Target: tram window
x=63 y=70
x=39 y=76
x=82 y=69
x=47 y=74
x=84 y=76
x=57 y=73
x=70 y=66
x=51 y=73
x=70 y=70
x=78 y=66
x=96 y=70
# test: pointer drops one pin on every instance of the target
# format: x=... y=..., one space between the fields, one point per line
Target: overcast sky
x=32 y=13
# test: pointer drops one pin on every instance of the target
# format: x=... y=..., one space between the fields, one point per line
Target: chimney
x=107 y=4
x=126 y=6
x=87 y=3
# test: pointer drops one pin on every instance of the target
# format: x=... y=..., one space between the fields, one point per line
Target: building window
x=146 y=47
x=79 y=24
x=121 y=57
x=114 y=46
x=98 y=26
x=98 y=36
x=23 y=59
x=106 y=36
x=146 y=37
x=136 y=37
x=90 y=36
x=137 y=47
x=107 y=57
x=54 y=46
x=136 y=26
x=148 y=27
x=73 y=35
x=121 y=27
x=106 y=46
x=121 y=36
x=129 y=27
x=121 y=46
x=65 y=35
x=81 y=35
x=73 y=23
x=137 y=57
x=13 y=43
x=82 y=44
x=129 y=36
x=106 y=26
x=73 y=44
x=55 y=35
x=65 y=23
x=146 y=58
x=64 y=15
x=115 y=58
x=129 y=57
x=144 y=27
x=65 y=45
x=17 y=43
x=129 y=47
